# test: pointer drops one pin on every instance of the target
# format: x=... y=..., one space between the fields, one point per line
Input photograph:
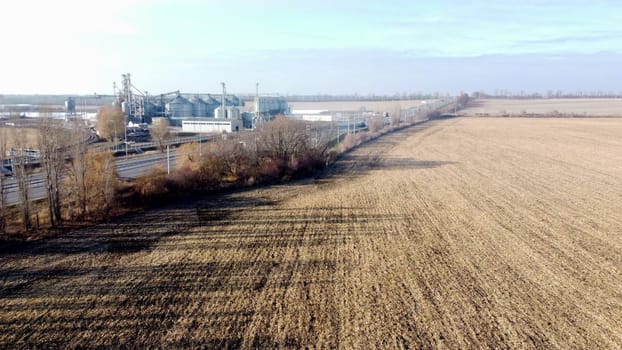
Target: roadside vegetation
x=83 y=187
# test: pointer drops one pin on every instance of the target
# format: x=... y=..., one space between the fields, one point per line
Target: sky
x=311 y=47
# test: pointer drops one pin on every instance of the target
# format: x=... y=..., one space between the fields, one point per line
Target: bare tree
x=102 y=181
x=78 y=166
x=110 y=122
x=3 y=204
x=22 y=173
x=462 y=101
x=160 y=133
x=376 y=123
x=52 y=143
x=396 y=116
x=282 y=139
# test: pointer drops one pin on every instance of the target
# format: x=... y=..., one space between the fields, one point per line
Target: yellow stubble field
x=577 y=107
x=461 y=233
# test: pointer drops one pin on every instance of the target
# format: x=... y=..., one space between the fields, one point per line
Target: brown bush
x=376 y=124
x=189 y=155
x=270 y=169
x=102 y=183
x=152 y=184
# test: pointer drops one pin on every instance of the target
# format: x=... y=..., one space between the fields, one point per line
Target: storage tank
x=233 y=113
x=212 y=104
x=179 y=107
x=218 y=113
x=70 y=106
x=230 y=113
x=199 y=107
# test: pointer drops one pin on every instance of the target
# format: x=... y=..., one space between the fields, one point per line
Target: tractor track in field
x=461 y=233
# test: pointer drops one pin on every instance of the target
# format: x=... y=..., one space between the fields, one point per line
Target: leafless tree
x=462 y=101
x=282 y=139
x=396 y=116
x=376 y=123
x=110 y=122
x=3 y=204
x=78 y=166
x=52 y=143
x=102 y=181
x=160 y=133
x=22 y=173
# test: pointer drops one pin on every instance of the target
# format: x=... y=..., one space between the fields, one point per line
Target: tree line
x=78 y=184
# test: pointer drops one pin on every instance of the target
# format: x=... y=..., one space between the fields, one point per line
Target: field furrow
x=461 y=233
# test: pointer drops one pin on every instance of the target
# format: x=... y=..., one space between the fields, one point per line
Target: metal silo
x=199 y=107
x=70 y=106
x=212 y=104
x=179 y=107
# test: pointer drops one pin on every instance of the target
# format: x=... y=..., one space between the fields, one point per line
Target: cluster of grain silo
x=139 y=106
x=196 y=106
x=199 y=107
x=179 y=107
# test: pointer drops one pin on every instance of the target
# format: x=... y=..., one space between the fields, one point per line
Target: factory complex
x=202 y=113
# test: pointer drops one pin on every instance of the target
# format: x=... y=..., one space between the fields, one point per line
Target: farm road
x=462 y=233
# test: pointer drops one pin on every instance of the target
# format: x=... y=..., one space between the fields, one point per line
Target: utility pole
x=223 y=114
x=168 y=159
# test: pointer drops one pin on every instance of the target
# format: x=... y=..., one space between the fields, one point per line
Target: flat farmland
x=600 y=107
x=376 y=106
x=460 y=233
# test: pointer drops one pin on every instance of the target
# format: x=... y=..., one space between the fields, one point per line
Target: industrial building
x=139 y=106
x=197 y=112
x=211 y=125
x=267 y=107
x=315 y=115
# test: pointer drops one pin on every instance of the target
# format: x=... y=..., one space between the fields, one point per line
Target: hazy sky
x=309 y=47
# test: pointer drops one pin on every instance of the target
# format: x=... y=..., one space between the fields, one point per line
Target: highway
x=129 y=168
x=135 y=166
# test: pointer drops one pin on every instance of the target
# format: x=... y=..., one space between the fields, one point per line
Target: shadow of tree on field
x=120 y=297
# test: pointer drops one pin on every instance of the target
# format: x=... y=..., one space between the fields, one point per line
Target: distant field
x=577 y=107
x=376 y=106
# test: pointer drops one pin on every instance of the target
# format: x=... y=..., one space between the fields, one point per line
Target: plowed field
x=462 y=233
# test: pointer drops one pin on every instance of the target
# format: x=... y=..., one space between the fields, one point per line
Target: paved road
x=129 y=168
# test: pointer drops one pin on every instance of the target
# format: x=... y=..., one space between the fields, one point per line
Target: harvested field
x=601 y=107
x=461 y=233
x=375 y=106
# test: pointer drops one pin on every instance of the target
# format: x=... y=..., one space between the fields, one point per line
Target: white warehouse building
x=210 y=125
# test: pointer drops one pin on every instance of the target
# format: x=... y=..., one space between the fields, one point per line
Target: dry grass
x=573 y=107
x=29 y=136
x=465 y=233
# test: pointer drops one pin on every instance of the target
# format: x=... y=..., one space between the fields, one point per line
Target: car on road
x=6 y=171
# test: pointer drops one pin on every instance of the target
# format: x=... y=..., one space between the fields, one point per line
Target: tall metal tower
x=222 y=102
